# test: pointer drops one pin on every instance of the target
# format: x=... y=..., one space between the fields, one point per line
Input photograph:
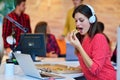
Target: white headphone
x=92 y=19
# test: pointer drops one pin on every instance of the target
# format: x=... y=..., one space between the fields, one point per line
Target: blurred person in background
x=70 y=23
x=52 y=47
x=100 y=29
x=10 y=29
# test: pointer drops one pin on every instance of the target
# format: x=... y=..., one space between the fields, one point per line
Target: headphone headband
x=92 y=19
x=91 y=8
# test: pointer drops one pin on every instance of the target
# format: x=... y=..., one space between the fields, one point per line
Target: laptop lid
x=27 y=65
x=33 y=44
x=70 y=53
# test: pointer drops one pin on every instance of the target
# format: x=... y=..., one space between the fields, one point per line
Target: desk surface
x=19 y=75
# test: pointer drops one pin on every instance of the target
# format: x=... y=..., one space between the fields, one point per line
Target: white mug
x=9 y=69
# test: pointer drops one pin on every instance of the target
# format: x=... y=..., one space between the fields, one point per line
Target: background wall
x=54 y=12
x=5 y=7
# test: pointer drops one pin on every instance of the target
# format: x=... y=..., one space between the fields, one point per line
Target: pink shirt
x=99 y=51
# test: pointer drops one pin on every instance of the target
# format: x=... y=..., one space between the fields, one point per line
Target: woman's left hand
x=74 y=40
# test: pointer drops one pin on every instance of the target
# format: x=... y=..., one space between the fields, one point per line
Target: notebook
x=28 y=67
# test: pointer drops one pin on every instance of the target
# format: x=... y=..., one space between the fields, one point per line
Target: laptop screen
x=33 y=44
x=70 y=53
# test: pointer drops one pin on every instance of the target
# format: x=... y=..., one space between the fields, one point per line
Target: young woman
x=52 y=47
x=93 y=50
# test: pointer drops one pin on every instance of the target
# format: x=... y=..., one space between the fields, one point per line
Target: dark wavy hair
x=18 y=2
x=41 y=27
x=100 y=26
x=86 y=11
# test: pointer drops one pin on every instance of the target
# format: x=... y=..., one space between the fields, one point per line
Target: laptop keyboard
x=43 y=75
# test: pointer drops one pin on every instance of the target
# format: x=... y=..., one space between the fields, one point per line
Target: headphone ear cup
x=92 y=19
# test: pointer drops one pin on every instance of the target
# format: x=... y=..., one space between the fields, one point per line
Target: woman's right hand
x=74 y=40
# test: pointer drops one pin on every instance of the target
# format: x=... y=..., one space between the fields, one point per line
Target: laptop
x=28 y=67
x=70 y=53
x=33 y=44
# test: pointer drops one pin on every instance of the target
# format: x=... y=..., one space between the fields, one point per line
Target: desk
x=19 y=75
